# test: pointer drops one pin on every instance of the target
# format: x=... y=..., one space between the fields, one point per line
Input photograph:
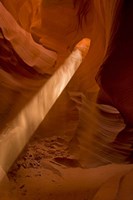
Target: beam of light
x=17 y=134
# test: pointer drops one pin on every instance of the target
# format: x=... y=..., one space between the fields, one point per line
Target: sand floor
x=46 y=171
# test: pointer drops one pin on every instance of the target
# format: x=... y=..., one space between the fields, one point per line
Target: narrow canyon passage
x=45 y=100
